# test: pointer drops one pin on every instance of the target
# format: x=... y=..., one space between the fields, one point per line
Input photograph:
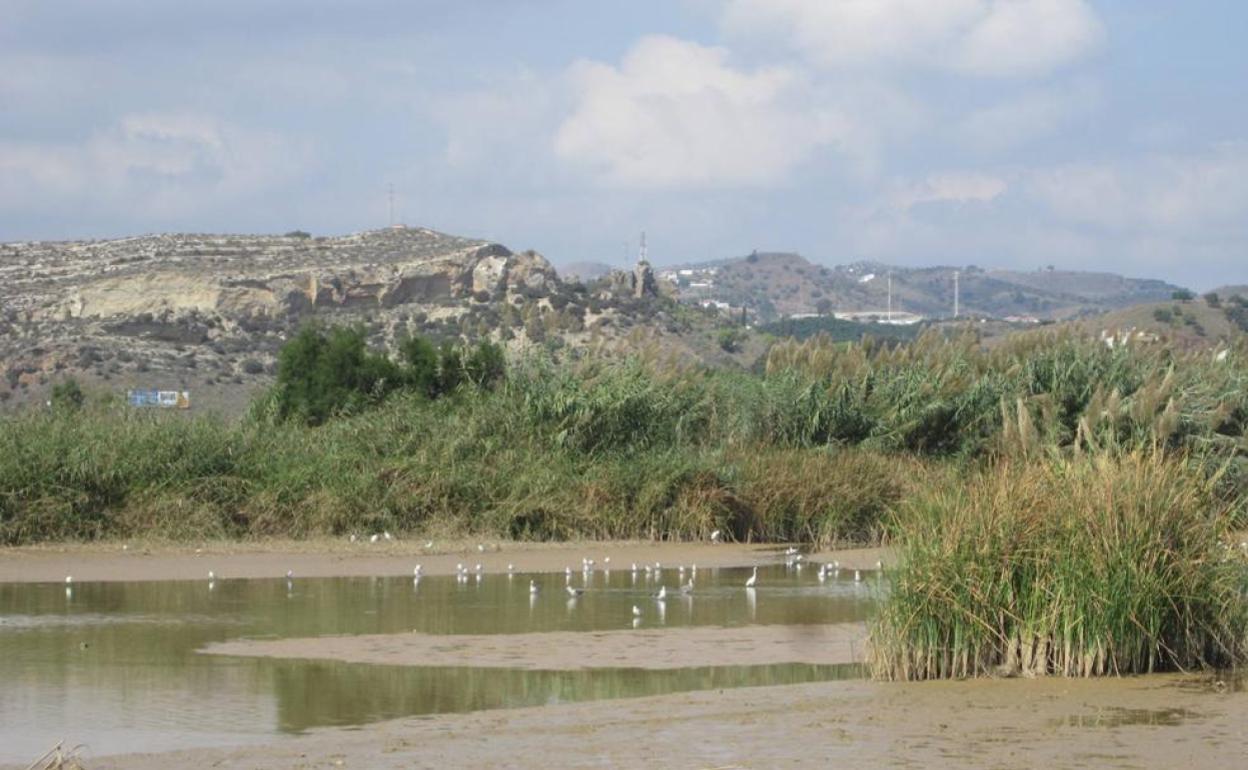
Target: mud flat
x=574 y=651
x=1153 y=722
x=339 y=558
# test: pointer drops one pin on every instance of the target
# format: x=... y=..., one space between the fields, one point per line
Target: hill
x=1188 y=324
x=775 y=285
x=208 y=313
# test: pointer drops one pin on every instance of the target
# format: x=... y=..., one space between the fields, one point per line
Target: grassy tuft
x=1076 y=567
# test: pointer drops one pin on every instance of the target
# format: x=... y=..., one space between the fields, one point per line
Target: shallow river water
x=116 y=665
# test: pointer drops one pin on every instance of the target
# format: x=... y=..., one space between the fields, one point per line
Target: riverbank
x=137 y=561
x=1150 y=722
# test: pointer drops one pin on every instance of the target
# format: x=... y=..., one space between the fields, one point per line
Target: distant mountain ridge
x=778 y=284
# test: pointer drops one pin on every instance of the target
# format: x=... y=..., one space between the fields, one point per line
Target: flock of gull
x=793 y=559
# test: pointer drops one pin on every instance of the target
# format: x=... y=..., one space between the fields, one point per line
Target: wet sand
x=1154 y=722
x=647 y=648
x=339 y=558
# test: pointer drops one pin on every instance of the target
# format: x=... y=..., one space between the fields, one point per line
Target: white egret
x=352 y=538
x=428 y=544
x=69 y=579
x=532 y=586
x=574 y=592
x=662 y=594
x=374 y=538
x=386 y=535
x=211 y=576
x=715 y=536
x=636 y=611
x=857 y=576
x=416 y=571
x=752 y=579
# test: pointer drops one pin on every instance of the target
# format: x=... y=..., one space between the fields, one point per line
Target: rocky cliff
x=168 y=310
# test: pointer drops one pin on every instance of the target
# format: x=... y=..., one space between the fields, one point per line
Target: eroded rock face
x=257 y=275
x=181 y=310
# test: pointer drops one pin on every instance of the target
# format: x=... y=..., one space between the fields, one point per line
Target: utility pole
x=890 y=296
x=955 y=294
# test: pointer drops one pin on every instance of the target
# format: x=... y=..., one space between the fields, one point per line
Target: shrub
x=67 y=396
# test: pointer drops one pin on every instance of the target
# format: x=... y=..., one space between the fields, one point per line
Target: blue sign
x=168 y=399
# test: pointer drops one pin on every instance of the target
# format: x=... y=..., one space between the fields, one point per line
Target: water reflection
x=114 y=664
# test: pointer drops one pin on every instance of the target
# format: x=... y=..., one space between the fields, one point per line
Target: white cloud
x=1027 y=117
x=161 y=164
x=675 y=113
x=992 y=38
x=1192 y=194
x=950 y=187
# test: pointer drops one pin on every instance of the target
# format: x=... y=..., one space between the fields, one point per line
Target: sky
x=1084 y=134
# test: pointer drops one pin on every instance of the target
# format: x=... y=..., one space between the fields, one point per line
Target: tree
x=420 y=365
x=1213 y=299
x=67 y=396
x=1182 y=295
x=823 y=306
x=321 y=373
x=486 y=365
x=730 y=339
x=450 y=369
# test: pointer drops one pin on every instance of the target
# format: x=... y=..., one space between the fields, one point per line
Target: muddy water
x=116 y=665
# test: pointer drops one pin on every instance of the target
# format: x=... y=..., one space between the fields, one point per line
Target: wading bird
x=753 y=578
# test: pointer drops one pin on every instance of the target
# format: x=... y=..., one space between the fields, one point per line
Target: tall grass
x=819 y=448
x=1112 y=564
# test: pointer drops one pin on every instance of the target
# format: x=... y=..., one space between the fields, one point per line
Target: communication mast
x=955 y=293
x=643 y=253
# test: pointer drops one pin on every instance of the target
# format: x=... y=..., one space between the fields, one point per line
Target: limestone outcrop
x=197 y=310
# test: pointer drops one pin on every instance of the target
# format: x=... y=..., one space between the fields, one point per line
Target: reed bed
x=1078 y=567
x=820 y=447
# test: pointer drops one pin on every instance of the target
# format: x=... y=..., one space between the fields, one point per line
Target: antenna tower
x=956 y=296
x=643 y=254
